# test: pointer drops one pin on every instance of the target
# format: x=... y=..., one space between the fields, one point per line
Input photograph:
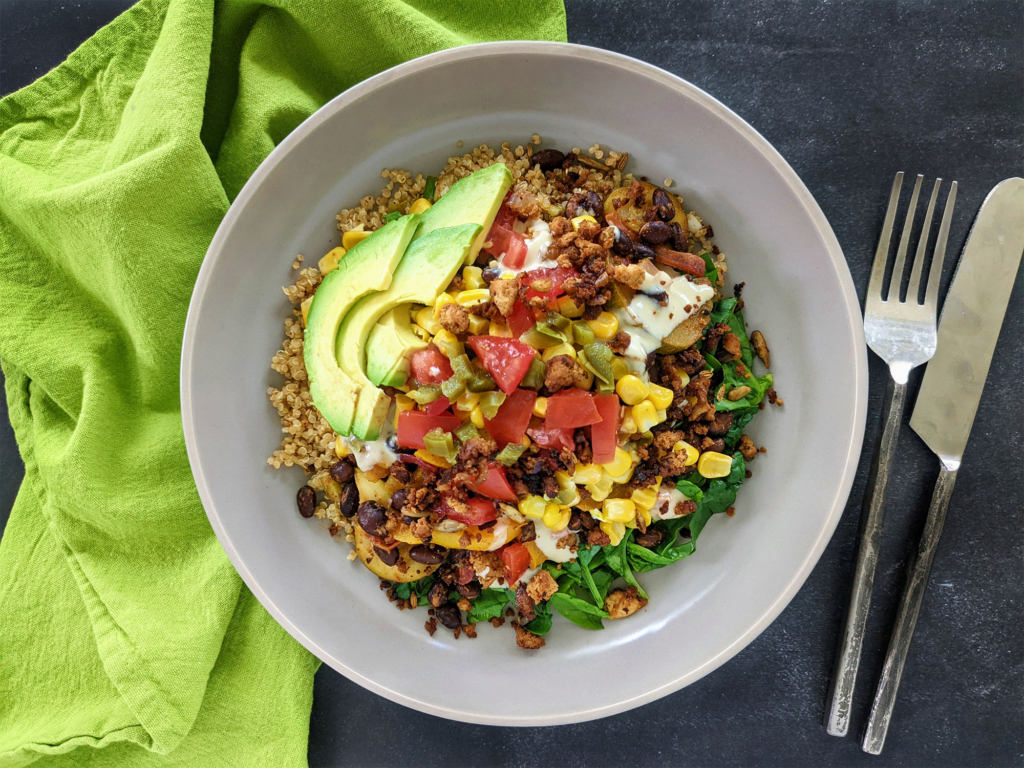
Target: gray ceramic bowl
x=798 y=291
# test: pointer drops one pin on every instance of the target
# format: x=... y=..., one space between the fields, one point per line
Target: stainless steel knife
x=948 y=399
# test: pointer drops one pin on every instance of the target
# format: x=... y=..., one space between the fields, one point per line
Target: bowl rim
x=633 y=66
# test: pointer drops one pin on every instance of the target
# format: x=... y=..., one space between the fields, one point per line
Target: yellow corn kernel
x=533 y=506
x=420 y=206
x=619 y=464
x=587 y=474
x=421 y=332
x=499 y=329
x=341 y=449
x=540 y=407
x=692 y=454
x=628 y=425
x=330 y=261
x=684 y=378
x=569 y=308
x=556 y=517
x=305 y=309
x=473 y=277
x=467 y=401
x=425 y=319
x=661 y=396
x=440 y=301
x=404 y=403
x=431 y=458
x=449 y=344
x=645 y=514
x=645 y=415
x=478 y=325
x=714 y=464
x=605 y=326
x=473 y=297
x=559 y=349
x=615 y=532
x=477 y=417
x=619 y=367
x=599 y=490
x=691 y=399
x=632 y=389
x=525 y=441
x=618 y=510
x=580 y=219
x=588 y=377
x=644 y=498
x=353 y=237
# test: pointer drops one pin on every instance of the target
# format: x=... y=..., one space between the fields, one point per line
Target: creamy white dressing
x=547 y=542
x=528 y=574
x=665 y=506
x=500 y=531
x=369 y=453
x=538 y=240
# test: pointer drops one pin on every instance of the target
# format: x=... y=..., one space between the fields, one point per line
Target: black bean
x=641 y=252
x=655 y=232
x=392 y=443
x=623 y=243
x=469 y=591
x=438 y=594
x=717 y=445
x=490 y=274
x=372 y=518
x=426 y=556
x=349 y=499
x=449 y=615
x=594 y=202
x=387 y=556
x=398 y=499
x=306 y=499
x=343 y=472
x=663 y=204
x=548 y=159
x=679 y=237
x=569 y=160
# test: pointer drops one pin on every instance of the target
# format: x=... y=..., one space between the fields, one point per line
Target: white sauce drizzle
x=528 y=574
x=665 y=506
x=538 y=240
x=547 y=542
x=369 y=453
x=500 y=531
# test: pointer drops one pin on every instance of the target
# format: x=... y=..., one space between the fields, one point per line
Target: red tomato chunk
x=513 y=417
x=480 y=511
x=495 y=484
x=413 y=425
x=516 y=558
x=507 y=360
x=604 y=434
x=430 y=366
x=571 y=408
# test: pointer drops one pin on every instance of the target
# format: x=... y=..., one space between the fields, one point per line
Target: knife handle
x=906 y=620
x=844 y=678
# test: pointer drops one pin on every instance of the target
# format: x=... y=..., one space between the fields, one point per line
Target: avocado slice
x=365 y=268
x=429 y=264
x=472 y=200
x=389 y=346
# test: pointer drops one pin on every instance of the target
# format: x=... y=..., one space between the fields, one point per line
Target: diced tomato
x=507 y=360
x=547 y=437
x=438 y=406
x=480 y=511
x=515 y=253
x=557 y=276
x=521 y=320
x=513 y=417
x=571 y=408
x=605 y=433
x=516 y=558
x=505 y=216
x=430 y=366
x=495 y=485
x=413 y=425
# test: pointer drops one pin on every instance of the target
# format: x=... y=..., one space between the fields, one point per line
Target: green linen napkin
x=122 y=623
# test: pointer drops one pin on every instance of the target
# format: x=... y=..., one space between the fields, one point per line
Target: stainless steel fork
x=903 y=334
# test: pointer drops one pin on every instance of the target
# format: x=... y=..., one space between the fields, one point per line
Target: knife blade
x=969 y=327
x=972 y=317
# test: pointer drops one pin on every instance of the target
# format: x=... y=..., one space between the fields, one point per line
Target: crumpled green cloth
x=122 y=623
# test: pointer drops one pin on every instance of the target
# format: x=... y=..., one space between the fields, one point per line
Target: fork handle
x=906 y=620
x=851 y=640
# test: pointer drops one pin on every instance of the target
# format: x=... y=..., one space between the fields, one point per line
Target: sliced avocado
x=365 y=268
x=472 y=200
x=389 y=346
x=428 y=266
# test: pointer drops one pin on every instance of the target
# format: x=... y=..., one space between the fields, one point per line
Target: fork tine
x=922 y=245
x=882 y=252
x=931 y=296
x=901 y=254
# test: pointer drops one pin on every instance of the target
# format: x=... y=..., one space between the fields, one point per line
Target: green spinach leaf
x=421 y=587
x=542 y=623
x=578 y=611
x=489 y=604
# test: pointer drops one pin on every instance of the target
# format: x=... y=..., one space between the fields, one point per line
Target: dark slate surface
x=849 y=93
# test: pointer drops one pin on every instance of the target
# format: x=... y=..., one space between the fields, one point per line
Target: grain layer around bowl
x=778 y=243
